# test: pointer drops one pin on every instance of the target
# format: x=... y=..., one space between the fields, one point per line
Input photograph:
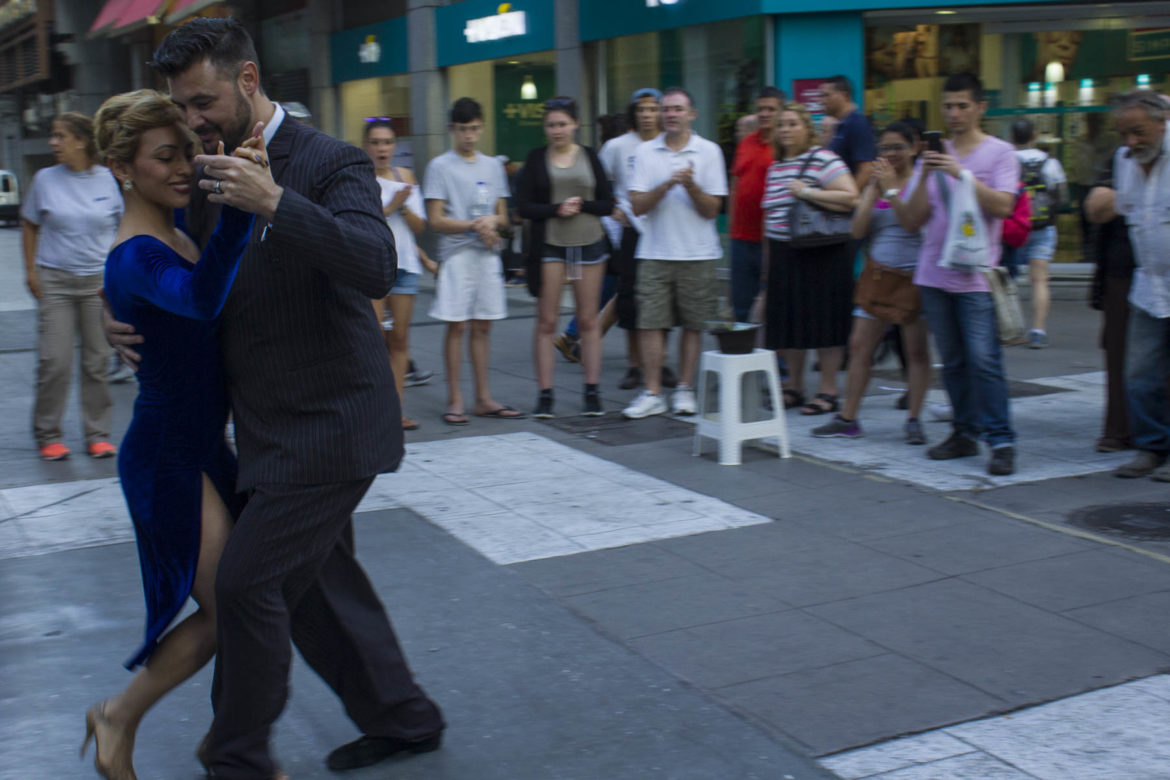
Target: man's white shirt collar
x=273 y=124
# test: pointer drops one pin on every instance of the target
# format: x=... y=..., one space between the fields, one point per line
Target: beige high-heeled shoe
x=120 y=769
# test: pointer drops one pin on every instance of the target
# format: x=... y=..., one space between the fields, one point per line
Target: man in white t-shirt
x=1043 y=176
x=466 y=191
x=678 y=184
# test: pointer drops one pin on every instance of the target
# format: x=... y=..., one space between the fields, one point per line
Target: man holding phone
x=958 y=305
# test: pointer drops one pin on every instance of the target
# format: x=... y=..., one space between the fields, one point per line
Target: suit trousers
x=69 y=305
x=288 y=571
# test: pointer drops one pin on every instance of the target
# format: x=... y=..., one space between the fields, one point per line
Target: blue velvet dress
x=177 y=433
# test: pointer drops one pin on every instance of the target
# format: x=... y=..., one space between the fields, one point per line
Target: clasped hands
x=242 y=179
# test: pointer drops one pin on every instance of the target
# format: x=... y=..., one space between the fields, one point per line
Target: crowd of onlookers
x=842 y=238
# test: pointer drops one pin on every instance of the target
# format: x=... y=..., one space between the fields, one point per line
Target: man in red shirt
x=752 y=158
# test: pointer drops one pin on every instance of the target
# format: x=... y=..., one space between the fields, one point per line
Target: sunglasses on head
x=377 y=119
x=558 y=104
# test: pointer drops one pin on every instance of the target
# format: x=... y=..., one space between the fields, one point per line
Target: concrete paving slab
x=1078 y=580
x=1111 y=733
x=1140 y=619
x=858 y=702
x=603 y=569
x=734 y=651
x=981 y=541
x=528 y=689
x=1013 y=651
x=650 y=608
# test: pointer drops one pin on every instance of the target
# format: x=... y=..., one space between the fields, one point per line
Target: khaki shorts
x=676 y=292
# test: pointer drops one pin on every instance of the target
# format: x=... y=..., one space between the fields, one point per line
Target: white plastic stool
x=726 y=426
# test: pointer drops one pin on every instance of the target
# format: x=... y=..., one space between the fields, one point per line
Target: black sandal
x=792 y=398
x=812 y=407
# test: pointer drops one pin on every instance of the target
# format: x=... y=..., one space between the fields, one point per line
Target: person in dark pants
x=1109 y=295
x=316 y=416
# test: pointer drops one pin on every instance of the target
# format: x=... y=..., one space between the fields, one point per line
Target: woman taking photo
x=564 y=191
x=809 y=291
x=177 y=473
x=886 y=294
x=69 y=219
x=402 y=204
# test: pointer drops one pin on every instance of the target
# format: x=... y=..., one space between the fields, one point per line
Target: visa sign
x=494 y=28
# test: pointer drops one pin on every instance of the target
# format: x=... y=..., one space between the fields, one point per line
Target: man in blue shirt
x=853 y=142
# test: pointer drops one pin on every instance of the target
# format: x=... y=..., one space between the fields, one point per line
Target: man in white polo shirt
x=678 y=185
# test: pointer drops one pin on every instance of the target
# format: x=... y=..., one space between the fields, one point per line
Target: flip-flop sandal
x=455 y=418
x=792 y=398
x=503 y=413
x=813 y=408
x=409 y=424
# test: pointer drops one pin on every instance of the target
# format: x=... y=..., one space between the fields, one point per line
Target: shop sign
x=656 y=3
x=370 y=52
x=506 y=24
x=1149 y=44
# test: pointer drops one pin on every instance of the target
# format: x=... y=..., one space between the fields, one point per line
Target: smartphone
x=933 y=140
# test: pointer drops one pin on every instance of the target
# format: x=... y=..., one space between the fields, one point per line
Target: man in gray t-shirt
x=465 y=193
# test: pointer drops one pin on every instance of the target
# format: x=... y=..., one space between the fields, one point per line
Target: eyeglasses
x=558 y=104
x=893 y=148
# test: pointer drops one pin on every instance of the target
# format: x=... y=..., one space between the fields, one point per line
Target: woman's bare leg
x=863 y=342
x=398 y=341
x=552 y=283
x=917 y=352
x=182 y=652
x=587 y=291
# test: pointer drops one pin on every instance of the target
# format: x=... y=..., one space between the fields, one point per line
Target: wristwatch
x=891 y=193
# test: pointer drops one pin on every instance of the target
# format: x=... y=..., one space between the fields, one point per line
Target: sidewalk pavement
x=586 y=599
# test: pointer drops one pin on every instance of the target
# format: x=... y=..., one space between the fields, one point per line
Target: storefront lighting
x=1054 y=72
x=946 y=13
x=1143 y=80
x=1086 y=83
x=1034 y=86
x=528 y=89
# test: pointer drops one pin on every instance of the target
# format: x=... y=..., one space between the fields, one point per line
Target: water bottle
x=483 y=200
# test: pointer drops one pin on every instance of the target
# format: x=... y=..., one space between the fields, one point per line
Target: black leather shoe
x=370 y=750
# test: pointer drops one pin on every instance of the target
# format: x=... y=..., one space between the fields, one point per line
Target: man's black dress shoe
x=370 y=750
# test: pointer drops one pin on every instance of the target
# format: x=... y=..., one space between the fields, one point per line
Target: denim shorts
x=1041 y=245
x=406 y=283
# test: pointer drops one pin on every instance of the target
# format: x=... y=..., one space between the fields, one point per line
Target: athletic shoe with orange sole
x=57 y=451
x=102 y=449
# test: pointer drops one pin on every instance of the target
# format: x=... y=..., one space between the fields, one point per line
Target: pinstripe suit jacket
x=312 y=392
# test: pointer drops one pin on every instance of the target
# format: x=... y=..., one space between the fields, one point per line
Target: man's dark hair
x=840 y=84
x=466 y=110
x=678 y=91
x=772 y=92
x=1023 y=131
x=224 y=42
x=965 y=82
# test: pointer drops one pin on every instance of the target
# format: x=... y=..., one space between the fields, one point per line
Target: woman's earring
x=127 y=185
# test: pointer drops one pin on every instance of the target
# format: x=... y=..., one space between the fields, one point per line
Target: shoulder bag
x=811 y=226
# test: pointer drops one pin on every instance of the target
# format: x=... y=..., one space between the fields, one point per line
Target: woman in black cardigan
x=564 y=191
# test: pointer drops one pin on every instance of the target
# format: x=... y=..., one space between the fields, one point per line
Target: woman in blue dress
x=176 y=470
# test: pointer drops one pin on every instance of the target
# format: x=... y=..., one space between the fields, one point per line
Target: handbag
x=810 y=226
x=1009 y=317
x=887 y=293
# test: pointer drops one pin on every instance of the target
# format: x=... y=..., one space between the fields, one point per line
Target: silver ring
x=218 y=186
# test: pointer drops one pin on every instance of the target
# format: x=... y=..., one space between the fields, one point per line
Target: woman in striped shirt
x=809 y=301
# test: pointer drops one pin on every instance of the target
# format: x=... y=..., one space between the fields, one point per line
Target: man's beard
x=241 y=127
x=1147 y=155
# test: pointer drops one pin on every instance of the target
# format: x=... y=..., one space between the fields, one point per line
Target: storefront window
x=1060 y=80
x=512 y=92
x=720 y=64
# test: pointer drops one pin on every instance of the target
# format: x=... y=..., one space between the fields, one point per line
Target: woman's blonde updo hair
x=122 y=120
x=806 y=119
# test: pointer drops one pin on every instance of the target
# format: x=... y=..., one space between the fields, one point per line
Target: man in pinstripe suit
x=315 y=411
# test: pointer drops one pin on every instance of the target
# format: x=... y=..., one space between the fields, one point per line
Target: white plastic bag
x=967 y=248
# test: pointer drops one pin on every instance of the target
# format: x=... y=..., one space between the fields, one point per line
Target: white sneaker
x=645 y=405
x=941 y=412
x=683 y=401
